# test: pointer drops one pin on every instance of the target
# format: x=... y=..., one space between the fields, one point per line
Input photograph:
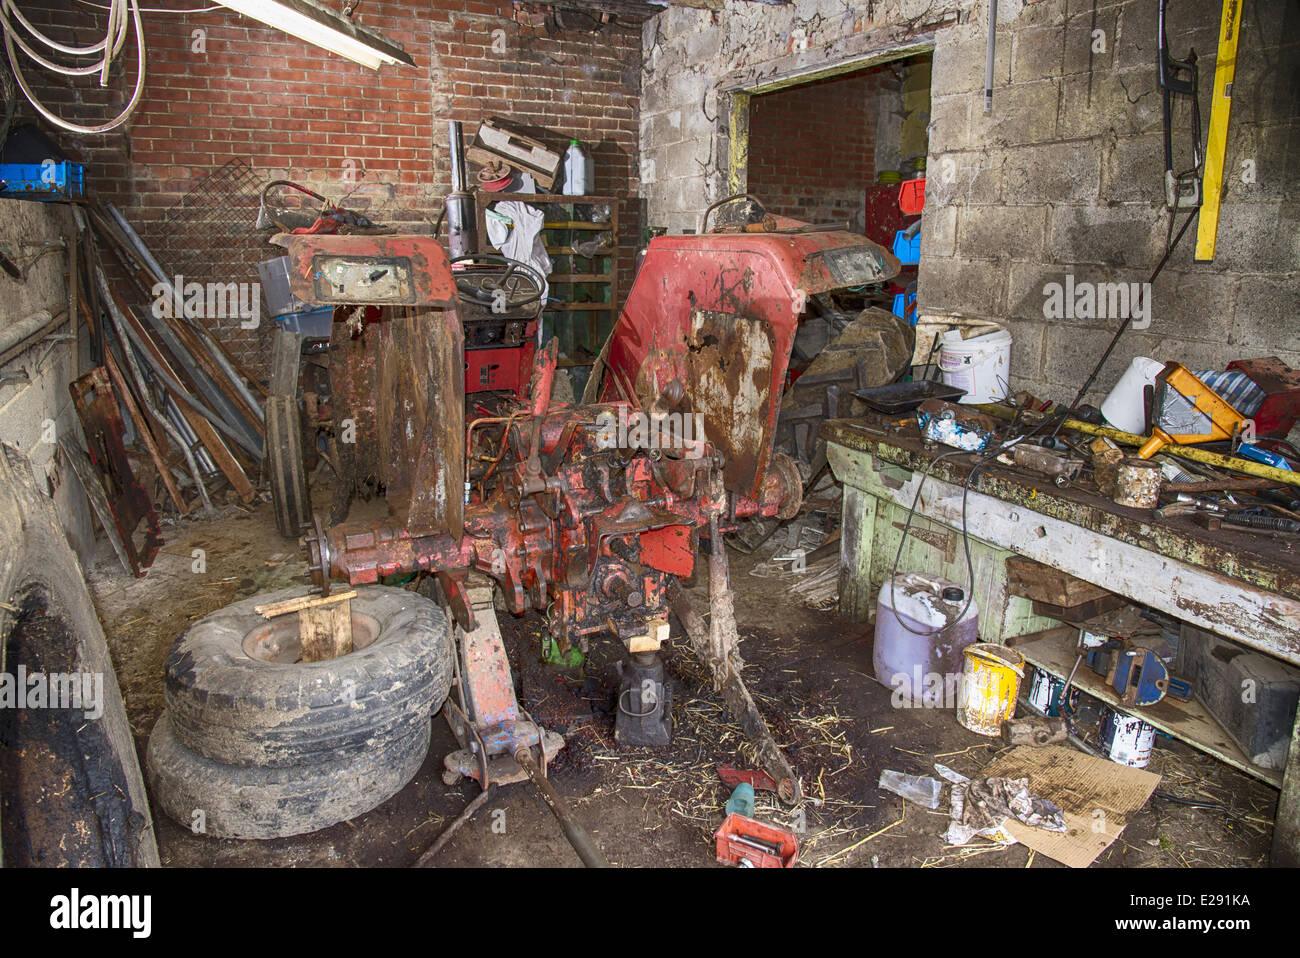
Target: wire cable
x=123 y=20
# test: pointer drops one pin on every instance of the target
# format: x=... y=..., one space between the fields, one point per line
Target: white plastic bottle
x=577 y=170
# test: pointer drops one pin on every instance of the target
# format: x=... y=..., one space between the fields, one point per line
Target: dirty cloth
x=981 y=806
x=522 y=240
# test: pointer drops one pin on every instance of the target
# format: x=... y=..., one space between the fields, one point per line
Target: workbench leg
x=1286 y=829
x=857 y=535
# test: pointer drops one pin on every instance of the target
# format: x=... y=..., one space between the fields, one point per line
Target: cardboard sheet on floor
x=1096 y=796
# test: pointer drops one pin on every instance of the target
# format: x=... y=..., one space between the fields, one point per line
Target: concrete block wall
x=1065 y=176
x=35 y=405
x=377 y=140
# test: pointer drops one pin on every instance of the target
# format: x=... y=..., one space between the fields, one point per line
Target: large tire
x=70 y=784
x=285 y=466
x=225 y=801
x=233 y=708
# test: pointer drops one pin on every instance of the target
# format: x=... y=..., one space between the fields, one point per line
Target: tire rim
x=278 y=642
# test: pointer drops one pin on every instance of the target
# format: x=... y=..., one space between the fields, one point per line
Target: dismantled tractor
x=591 y=514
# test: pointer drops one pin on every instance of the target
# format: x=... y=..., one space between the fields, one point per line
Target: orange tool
x=1187 y=411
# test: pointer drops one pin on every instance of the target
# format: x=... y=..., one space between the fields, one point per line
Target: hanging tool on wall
x=1179 y=78
x=1225 y=69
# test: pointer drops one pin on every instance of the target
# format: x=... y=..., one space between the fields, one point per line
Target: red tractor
x=590 y=514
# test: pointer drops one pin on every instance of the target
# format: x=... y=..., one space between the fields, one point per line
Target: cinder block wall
x=1063 y=177
x=35 y=406
x=378 y=139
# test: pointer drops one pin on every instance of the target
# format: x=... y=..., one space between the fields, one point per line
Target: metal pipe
x=456 y=147
x=578 y=836
x=988 y=56
x=458 y=206
x=1184 y=452
x=120 y=324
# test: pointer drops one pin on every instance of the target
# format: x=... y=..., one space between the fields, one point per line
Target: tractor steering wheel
x=517 y=286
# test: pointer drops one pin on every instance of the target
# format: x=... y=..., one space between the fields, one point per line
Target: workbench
x=1242 y=585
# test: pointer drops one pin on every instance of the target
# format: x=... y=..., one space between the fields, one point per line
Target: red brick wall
x=379 y=138
x=812 y=147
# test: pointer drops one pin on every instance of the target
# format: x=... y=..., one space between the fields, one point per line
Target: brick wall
x=812 y=147
x=377 y=138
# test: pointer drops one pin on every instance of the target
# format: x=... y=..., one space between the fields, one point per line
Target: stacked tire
x=255 y=744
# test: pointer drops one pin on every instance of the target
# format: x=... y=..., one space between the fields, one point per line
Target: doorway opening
x=835 y=149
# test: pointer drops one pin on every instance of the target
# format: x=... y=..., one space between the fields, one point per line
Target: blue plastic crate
x=907 y=251
x=41 y=181
x=310 y=323
x=901 y=302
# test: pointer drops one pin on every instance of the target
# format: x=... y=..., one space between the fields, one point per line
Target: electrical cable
x=123 y=20
x=1087 y=383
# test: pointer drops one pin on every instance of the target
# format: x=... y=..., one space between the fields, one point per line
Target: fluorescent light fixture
x=316 y=24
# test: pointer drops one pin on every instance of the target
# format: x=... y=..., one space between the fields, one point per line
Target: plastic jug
x=577 y=170
x=924 y=669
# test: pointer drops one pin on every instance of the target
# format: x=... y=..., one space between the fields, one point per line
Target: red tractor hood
x=718 y=312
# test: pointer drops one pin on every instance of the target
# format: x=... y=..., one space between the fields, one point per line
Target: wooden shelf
x=580 y=278
x=1054 y=651
x=577 y=307
x=585 y=331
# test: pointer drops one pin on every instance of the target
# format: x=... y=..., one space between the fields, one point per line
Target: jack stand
x=645 y=702
x=486 y=719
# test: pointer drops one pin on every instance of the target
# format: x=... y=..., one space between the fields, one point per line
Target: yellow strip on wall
x=1216 y=146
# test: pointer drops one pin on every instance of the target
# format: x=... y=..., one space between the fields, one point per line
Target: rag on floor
x=981 y=806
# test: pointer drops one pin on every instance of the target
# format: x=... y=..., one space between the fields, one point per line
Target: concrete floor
x=650 y=807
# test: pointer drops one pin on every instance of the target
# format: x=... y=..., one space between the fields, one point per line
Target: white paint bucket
x=980 y=365
x=1125 y=405
x=1125 y=739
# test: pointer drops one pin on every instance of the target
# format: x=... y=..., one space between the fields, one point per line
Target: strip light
x=318 y=25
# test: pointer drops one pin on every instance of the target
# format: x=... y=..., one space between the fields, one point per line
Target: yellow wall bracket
x=1216 y=146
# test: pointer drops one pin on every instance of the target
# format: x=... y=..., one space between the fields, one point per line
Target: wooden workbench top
x=1267 y=561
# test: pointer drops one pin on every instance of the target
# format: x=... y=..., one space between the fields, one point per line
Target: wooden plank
x=216 y=374
x=1082 y=611
x=1042 y=583
x=142 y=429
x=219 y=452
x=272 y=609
x=207 y=434
x=1222 y=603
x=1054 y=652
x=326 y=631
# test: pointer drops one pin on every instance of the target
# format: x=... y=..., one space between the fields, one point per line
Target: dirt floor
x=809 y=671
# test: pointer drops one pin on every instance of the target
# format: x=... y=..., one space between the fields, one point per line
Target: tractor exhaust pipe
x=462 y=221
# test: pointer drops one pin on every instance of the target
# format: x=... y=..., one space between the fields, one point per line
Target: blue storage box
x=310 y=323
x=901 y=302
x=907 y=251
x=41 y=181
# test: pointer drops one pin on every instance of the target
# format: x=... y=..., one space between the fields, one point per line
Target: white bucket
x=1125 y=405
x=980 y=365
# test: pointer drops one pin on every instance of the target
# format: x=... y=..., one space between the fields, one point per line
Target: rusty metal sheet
x=729 y=364
x=131 y=523
x=370 y=270
x=764 y=279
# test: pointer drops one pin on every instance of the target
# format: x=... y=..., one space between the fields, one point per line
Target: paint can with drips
x=1125 y=739
x=990 y=684
x=1045 y=692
